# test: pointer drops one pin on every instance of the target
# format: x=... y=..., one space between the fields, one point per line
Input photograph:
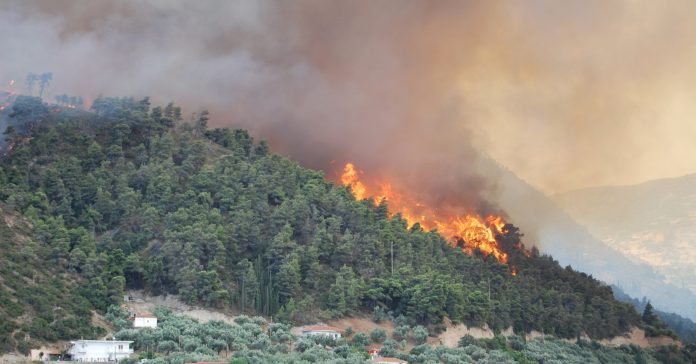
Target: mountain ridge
x=560 y=235
x=652 y=222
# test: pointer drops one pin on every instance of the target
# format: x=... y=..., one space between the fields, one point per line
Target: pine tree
x=649 y=316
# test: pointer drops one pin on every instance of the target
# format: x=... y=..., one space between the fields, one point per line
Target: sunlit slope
x=652 y=223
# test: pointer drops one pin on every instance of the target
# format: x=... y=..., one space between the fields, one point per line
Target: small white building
x=99 y=350
x=144 y=320
x=330 y=331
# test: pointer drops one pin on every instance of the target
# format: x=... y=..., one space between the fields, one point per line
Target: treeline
x=682 y=326
x=130 y=195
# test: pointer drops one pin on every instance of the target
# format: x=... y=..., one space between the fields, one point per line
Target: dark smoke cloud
x=567 y=94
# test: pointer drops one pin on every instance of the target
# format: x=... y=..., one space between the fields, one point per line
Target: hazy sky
x=567 y=94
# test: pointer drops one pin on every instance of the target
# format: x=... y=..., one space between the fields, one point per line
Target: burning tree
x=469 y=231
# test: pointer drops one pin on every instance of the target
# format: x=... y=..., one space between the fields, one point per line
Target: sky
x=565 y=94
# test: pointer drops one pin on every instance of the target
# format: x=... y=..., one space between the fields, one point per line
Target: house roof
x=101 y=341
x=373 y=347
x=321 y=328
x=145 y=315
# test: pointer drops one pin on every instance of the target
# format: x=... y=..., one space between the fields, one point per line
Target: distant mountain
x=571 y=243
x=652 y=223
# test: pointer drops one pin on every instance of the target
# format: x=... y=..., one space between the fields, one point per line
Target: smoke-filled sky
x=566 y=94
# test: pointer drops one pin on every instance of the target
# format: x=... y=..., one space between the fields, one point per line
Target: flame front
x=469 y=231
x=350 y=178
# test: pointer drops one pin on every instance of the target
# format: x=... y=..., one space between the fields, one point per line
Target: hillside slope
x=569 y=241
x=653 y=223
x=128 y=196
x=685 y=328
x=39 y=302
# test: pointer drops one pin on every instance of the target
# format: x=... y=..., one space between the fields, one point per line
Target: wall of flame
x=468 y=230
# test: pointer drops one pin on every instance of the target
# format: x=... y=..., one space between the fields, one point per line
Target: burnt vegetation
x=130 y=196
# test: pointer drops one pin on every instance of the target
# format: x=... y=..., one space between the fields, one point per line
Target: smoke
x=566 y=94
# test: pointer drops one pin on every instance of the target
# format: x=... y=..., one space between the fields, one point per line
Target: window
x=120 y=348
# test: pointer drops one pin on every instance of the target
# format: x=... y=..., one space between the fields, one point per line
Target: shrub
x=389 y=348
x=401 y=332
x=420 y=334
x=242 y=319
x=304 y=343
x=118 y=317
x=167 y=346
x=360 y=340
x=378 y=314
x=516 y=343
x=467 y=340
x=378 y=335
x=190 y=344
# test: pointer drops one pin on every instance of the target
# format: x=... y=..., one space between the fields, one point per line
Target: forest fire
x=469 y=231
x=6 y=98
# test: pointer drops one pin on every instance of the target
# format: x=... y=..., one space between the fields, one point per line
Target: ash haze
x=565 y=94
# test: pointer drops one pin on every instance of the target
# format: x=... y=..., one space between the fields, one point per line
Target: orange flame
x=350 y=178
x=469 y=231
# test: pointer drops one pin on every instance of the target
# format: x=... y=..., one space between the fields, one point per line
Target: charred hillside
x=130 y=196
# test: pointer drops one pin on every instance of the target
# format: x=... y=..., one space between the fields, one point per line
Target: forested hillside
x=129 y=195
x=38 y=301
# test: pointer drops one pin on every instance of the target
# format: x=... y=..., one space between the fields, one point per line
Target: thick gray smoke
x=566 y=94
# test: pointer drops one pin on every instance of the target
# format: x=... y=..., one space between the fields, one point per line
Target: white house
x=144 y=320
x=99 y=350
x=330 y=331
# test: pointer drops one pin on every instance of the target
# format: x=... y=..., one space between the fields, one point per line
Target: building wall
x=145 y=322
x=334 y=335
x=100 y=351
x=35 y=354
